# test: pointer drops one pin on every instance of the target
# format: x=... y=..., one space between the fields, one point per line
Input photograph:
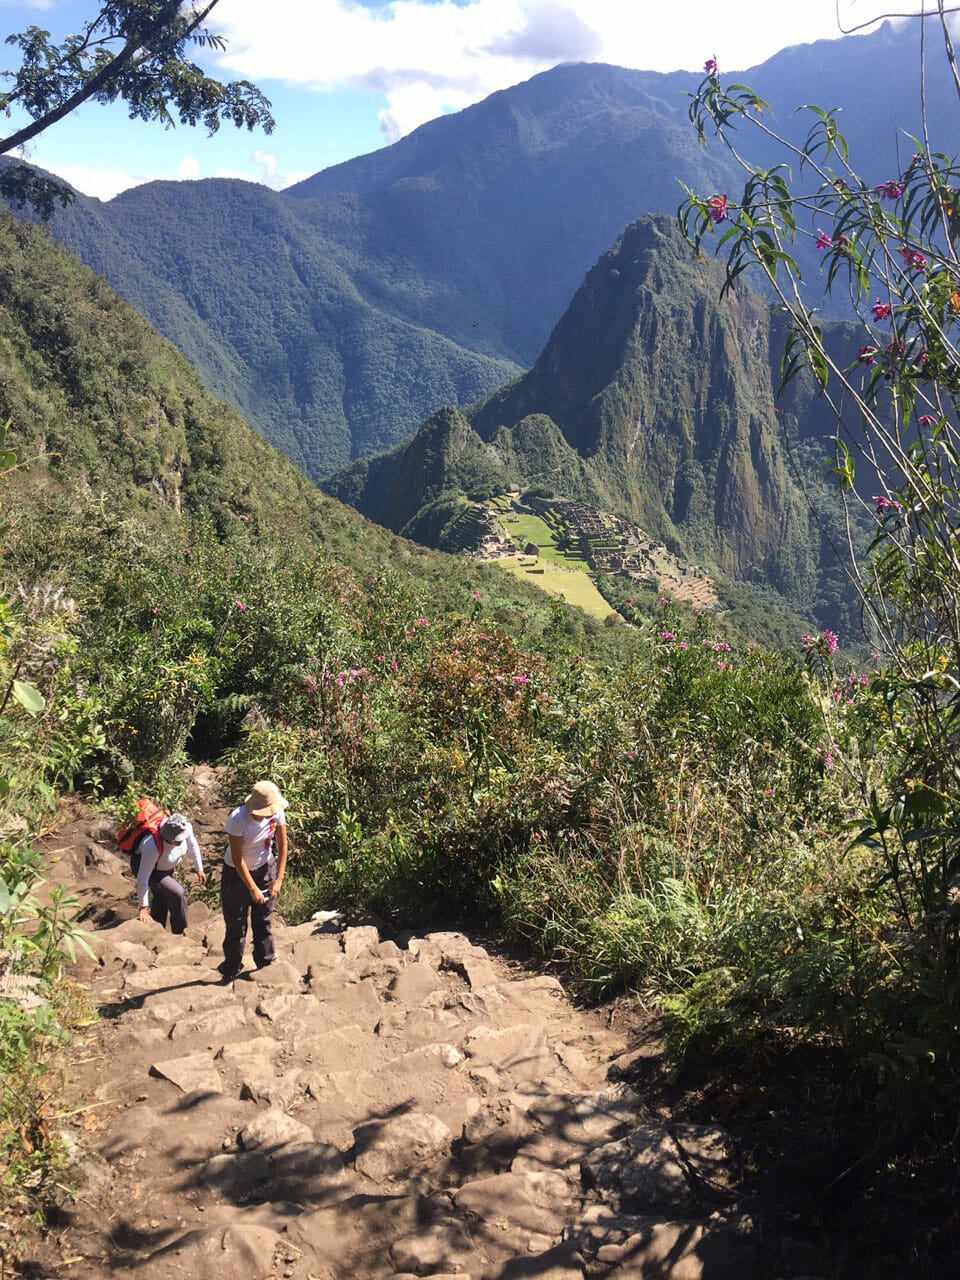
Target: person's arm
x=193 y=848
x=280 y=840
x=149 y=857
x=242 y=870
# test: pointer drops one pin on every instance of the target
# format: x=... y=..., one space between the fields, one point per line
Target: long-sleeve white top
x=151 y=859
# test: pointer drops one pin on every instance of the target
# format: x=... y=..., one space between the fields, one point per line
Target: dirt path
x=359 y=1110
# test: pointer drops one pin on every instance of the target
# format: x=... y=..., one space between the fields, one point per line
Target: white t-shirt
x=151 y=860
x=256 y=835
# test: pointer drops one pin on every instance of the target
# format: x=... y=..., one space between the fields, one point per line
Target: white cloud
x=104 y=184
x=188 y=168
x=427 y=58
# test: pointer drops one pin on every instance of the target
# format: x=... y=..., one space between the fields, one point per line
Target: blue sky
x=348 y=76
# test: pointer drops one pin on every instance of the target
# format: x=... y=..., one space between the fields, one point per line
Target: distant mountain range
x=652 y=400
x=339 y=314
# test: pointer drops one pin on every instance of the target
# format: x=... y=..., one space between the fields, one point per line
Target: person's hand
x=256 y=897
x=202 y=878
x=143 y=915
x=276 y=887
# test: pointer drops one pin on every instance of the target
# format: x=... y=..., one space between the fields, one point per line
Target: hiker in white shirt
x=160 y=894
x=253 y=869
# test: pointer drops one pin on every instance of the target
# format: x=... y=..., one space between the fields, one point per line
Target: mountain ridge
x=649 y=400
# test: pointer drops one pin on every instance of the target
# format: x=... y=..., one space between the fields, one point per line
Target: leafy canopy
x=132 y=50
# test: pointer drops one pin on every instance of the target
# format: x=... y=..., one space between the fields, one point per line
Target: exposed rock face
x=651 y=399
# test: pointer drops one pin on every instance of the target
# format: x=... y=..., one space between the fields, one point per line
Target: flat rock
x=271 y=1129
x=357 y=1003
x=584 y=1118
x=129 y=1130
x=213 y=1023
x=360 y=940
x=237 y=1176
x=194 y=1073
x=287 y=1005
x=518 y=1050
x=165 y=979
x=182 y=949
x=313 y=951
x=648 y=1168
x=415 y=983
x=261 y=1082
x=280 y=973
x=197 y=1124
x=401 y=1144
x=131 y=955
x=308 y=1172
x=252 y=1050
x=442 y=1247
x=445 y=950
x=538 y=1202
x=212 y=933
x=219 y=1254
x=682 y=1250
x=562 y=1262
x=167 y=1006
x=349 y=1048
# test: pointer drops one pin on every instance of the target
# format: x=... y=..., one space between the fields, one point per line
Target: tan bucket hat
x=264 y=800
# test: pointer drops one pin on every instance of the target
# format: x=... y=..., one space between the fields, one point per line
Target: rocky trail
x=365 y=1107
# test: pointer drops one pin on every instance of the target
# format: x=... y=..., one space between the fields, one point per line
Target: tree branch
x=106 y=73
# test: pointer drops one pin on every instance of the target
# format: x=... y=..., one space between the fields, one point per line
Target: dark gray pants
x=168 y=898
x=237 y=906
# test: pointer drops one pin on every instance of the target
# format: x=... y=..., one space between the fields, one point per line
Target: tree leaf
x=31 y=699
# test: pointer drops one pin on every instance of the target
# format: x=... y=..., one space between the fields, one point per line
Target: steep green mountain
x=338 y=315
x=650 y=399
x=112 y=426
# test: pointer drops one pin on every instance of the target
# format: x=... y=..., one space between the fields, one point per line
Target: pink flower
x=521 y=679
x=155 y=609
x=476 y=595
x=238 y=604
x=393 y=665
x=538 y=836
x=770 y=791
x=823 y=240
x=710 y=66
x=880 y=310
x=662 y=601
x=826 y=641
x=827 y=759
x=666 y=635
x=721 y=666
x=926 y=420
x=867 y=355
x=682 y=645
x=913 y=258
x=890 y=190
x=884 y=505
x=717 y=208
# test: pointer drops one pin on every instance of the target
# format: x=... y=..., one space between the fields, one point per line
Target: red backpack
x=149 y=817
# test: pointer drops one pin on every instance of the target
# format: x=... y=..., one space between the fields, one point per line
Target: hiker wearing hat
x=253 y=875
x=160 y=894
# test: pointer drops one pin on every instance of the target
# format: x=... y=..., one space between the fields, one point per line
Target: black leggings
x=237 y=906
